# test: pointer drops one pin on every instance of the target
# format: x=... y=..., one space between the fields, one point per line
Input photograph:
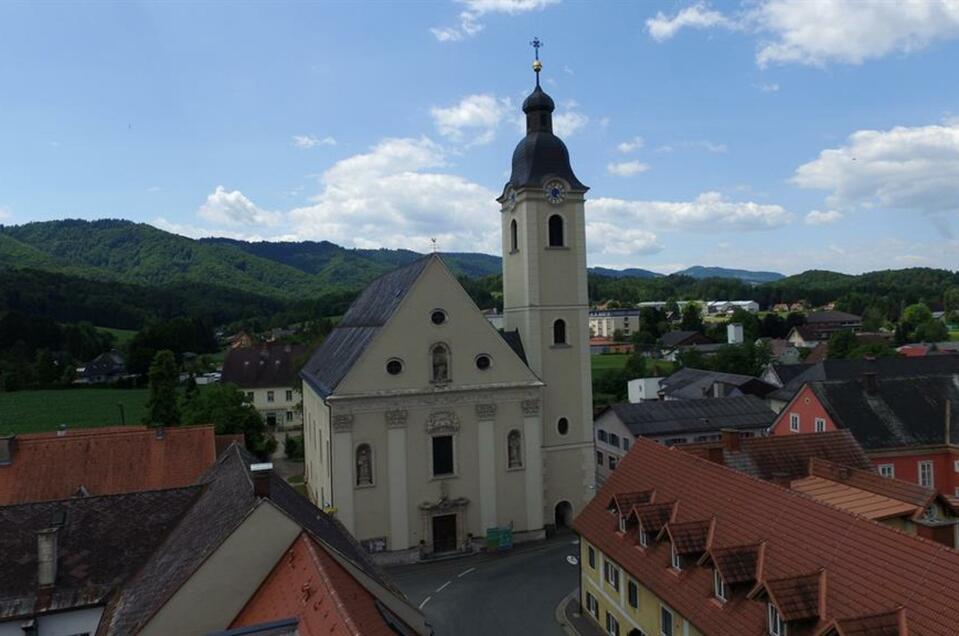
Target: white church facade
x=424 y=426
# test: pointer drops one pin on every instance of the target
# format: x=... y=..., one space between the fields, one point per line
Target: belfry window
x=556 y=231
x=513 y=238
x=364 y=465
x=440 y=355
x=559 y=332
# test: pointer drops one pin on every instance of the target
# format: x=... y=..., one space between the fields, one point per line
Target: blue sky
x=775 y=134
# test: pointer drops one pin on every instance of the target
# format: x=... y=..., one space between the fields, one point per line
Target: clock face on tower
x=555 y=192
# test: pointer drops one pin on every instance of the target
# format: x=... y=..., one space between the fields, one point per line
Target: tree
x=841 y=344
x=931 y=330
x=773 y=326
x=225 y=406
x=692 y=318
x=950 y=299
x=915 y=315
x=162 y=409
x=636 y=366
x=873 y=318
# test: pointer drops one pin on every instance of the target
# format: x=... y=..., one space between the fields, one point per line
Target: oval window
x=483 y=362
x=394 y=367
x=438 y=317
x=562 y=426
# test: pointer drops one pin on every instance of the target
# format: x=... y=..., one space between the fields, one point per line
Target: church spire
x=537 y=65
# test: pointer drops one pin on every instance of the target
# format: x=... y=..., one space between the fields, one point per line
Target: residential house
x=675 y=339
x=102 y=461
x=106 y=368
x=674 y=422
x=696 y=384
x=716 y=307
x=267 y=373
x=779 y=373
x=919 y=350
x=599 y=346
x=239 y=547
x=604 y=323
x=674 y=544
x=904 y=423
x=820 y=325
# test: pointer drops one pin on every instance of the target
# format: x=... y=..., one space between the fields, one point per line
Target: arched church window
x=559 y=332
x=514 y=454
x=556 y=231
x=364 y=465
x=513 y=239
x=440 y=355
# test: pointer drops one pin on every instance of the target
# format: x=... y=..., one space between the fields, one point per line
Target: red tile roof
x=104 y=461
x=870 y=568
x=309 y=584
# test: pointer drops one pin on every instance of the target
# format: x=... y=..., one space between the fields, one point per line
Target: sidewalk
x=569 y=616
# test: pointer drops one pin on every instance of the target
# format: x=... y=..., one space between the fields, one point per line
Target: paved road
x=502 y=594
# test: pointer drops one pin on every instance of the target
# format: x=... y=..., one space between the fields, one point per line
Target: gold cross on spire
x=537 y=65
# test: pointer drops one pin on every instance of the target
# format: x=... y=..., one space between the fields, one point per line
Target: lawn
x=34 y=411
x=608 y=361
x=121 y=336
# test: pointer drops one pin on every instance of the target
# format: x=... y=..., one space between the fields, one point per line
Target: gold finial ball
x=537 y=66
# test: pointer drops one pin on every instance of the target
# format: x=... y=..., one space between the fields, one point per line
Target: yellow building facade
x=621 y=605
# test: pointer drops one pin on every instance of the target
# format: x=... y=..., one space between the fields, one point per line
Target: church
x=424 y=426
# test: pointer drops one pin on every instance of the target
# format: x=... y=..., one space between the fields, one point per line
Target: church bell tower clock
x=545 y=299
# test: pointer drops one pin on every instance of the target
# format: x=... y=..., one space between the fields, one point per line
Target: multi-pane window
x=514 y=450
x=643 y=537
x=612 y=625
x=592 y=606
x=794 y=422
x=925 y=474
x=820 y=425
x=625 y=444
x=289 y=416
x=675 y=559
x=289 y=395
x=612 y=463
x=269 y=396
x=887 y=470
x=719 y=586
x=591 y=556
x=777 y=626
x=611 y=574
x=665 y=622
x=443 y=455
x=614 y=439
x=603 y=437
x=632 y=594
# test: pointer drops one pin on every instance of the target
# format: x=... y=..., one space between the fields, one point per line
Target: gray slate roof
x=676 y=338
x=330 y=363
x=694 y=384
x=102 y=541
x=694 y=416
x=262 y=366
x=901 y=411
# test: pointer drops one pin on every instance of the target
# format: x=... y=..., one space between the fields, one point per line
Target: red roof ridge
x=105 y=431
x=330 y=584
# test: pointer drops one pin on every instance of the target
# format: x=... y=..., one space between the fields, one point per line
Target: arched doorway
x=563 y=515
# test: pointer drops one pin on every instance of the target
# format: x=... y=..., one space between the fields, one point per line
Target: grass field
x=605 y=362
x=122 y=336
x=35 y=411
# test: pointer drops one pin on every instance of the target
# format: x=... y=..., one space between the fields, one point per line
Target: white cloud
x=396 y=195
x=194 y=231
x=568 y=122
x=708 y=212
x=469 y=24
x=820 y=31
x=627 y=168
x=5 y=213
x=308 y=141
x=771 y=87
x=632 y=145
x=911 y=169
x=817 y=217
x=608 y=239
x=695 y=144
x=698 y=16
x=476 y=115
x=233 y=208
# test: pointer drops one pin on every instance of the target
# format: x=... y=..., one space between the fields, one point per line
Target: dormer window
x=675 y=559
x=777 y=626
x=720 y=589
x=622 y=523
x=643 y=537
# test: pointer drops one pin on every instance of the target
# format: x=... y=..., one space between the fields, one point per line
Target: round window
x=562 y=426
x=483 y=362
x=438 y=317
x=394 y=367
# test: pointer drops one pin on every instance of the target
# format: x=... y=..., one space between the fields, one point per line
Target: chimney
x=870 y=379
x=261 y=474
x=731 y=439
x=47 y=557
x=734 y=333
x=61 y=430
x=8 y=447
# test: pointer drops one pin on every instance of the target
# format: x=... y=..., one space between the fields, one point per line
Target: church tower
x=545 y=299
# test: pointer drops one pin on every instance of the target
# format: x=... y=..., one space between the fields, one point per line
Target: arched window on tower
x=364 y=465
x=513 y=238
x=514 y=451
x=440 y=355
x=556 y=231
x=559 y=332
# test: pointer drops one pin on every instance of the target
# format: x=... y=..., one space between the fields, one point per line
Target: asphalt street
x=509 y=593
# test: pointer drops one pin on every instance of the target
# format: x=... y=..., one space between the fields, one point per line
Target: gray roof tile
x=693 y=416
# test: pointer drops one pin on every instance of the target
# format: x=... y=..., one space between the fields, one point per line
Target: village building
x=675 y=544
x=607 y=322
x=267 y=374
x=425 y=427
x=106 y=368
x=696 y=384
x=820 y=325
x=238 y=547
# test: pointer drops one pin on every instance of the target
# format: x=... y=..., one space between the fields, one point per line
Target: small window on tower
x=556 y=231
x=513 y=239
x=559 y=332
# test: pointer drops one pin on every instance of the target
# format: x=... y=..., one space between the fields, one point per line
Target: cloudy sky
x=769 y=134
